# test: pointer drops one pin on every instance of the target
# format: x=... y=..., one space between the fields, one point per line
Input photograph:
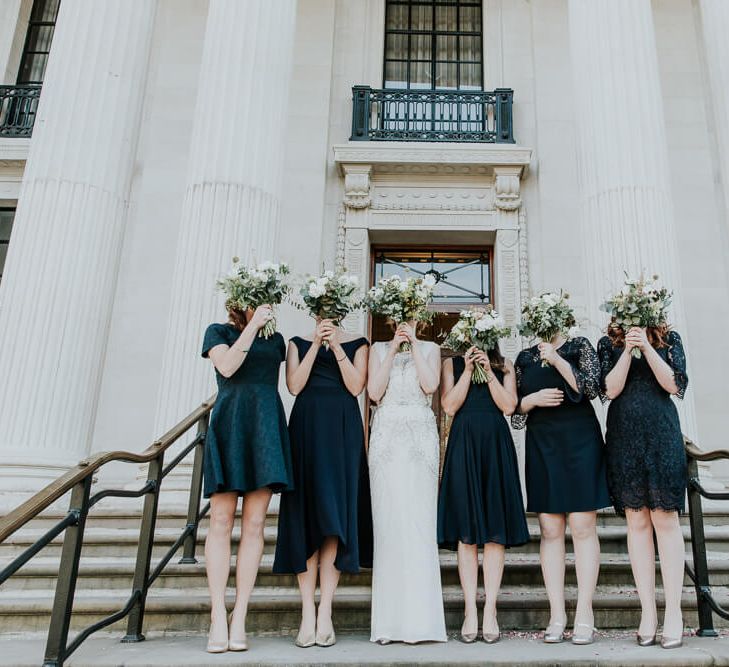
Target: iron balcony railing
x=78 y=481
x=432 y=115
x=18 y=107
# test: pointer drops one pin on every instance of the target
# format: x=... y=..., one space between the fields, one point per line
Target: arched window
x=433 y=45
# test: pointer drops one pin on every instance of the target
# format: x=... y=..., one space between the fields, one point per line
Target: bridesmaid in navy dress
x=565 y=469
x=647 y=473
x=246 y=454
x=325 y=524
x=480 y=502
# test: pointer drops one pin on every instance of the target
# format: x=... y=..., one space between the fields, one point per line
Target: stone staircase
x=178 y=601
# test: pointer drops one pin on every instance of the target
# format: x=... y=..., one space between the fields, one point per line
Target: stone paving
x=612 y=649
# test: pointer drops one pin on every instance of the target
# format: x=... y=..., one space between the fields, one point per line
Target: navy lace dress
x=646 y=461
x=247 y=444
x=565 y=457
x=331 y=495
x=480 y=497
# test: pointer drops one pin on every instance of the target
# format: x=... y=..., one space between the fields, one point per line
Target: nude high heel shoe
x=237 y=643
x=554 y=634
x=216 y=646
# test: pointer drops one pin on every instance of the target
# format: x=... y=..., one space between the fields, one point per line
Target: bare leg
x=583 y=526
x=217 y=561
x=255 y=506
x=643 y=563
x=307 y=586
x=493 y=570
x=468 y=574
x=552 y=557
x=328 y=580
x=672 y=556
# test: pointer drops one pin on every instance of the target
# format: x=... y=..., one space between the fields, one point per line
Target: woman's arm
x=298 y=370
x=228 y=359
x=453 y=394
x=427 y=368
x=504 y=395
x=378 y=371
x=666 y=375
x=354 y=374
x=615 y=379
x=559 y=363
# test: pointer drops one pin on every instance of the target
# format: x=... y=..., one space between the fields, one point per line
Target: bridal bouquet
x=546 y=316
x=330 y=296
x=402 y=300
x=639 y=304
x=480 y=327
x=250 y=287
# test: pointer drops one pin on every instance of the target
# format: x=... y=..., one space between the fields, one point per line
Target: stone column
x=58 y=287
x=232 y=201
x=627 y=219
x=715 y=24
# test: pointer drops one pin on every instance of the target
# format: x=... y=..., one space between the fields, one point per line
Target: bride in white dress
x=407 y=599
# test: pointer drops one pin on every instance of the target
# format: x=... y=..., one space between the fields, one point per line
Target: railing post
x=144 y=552
x=698 y=549
x=360 y=113
x=193 y=506
x=67 y=575
x=504 y=124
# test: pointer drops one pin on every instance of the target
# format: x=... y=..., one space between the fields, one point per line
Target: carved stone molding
x=341 y=238
x=508 y=188
x=357 y=185
x=523 y=257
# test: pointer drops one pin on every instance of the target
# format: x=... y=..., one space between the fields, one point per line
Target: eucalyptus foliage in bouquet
x=639 y=304
x=479 y=327
x=547 y=315
x=402 y=300
x=330 y=296
x=250 y=287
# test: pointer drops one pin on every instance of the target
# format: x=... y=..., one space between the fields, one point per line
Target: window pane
x=397 y=17
x=471 y=49
x=420 y=75
x=446 y=75
x=33 y=68
x=396 y=75
x=446 y=47
x=422 y=17
x=471 y=19
x=421 y=47
x=396 y=47
x=445 y=19
x=6 y=224
x=45 y=10
x=39 y=38
x=471 y=77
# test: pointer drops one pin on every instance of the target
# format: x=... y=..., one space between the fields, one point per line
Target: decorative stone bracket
x=357 y=185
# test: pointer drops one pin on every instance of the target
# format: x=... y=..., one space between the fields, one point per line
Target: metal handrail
x=78 y=481
x=699 y=573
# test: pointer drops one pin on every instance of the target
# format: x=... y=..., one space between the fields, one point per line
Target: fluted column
x=715 y=24
x=231 y=204
x=627 y=219
x=58 y=286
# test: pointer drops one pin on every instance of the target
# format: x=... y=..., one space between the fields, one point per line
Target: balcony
x=432 y=115
x=18 y=107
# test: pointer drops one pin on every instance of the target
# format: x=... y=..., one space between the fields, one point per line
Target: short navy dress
x=646 y=460
x=565 y=454
x=331 y=496
x=247 y=444
x=480 y=498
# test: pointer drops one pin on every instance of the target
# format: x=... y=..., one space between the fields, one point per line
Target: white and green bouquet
x=331 y=296
x=402 y=300
x=479 y=327
x=546 y=316
x=250 y=287
x=641 y=303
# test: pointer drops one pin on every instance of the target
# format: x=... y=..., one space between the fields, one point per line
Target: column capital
x=507 y=187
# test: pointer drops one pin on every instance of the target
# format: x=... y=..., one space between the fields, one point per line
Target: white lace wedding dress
x=407 y=599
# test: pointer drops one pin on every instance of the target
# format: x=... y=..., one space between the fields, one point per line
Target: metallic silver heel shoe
x=583 y=638
x=326 y=641
x=667 y=642
x=491 y=637
x=305 y=642
x=468 y=637
x=649 y=640
x=554 y=634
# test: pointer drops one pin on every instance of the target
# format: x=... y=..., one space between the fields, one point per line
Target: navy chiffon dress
x=565 y=453
x=247 y=444
x=480 y=498
x=331 y=496
x=646 y=461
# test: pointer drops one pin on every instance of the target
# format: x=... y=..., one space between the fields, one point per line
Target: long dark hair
x=498 y=363
x=656 y=335
x=237 y=317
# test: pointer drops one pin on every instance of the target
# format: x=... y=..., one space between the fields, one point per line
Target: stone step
x=613 y=649
x=276 y=610
x=522 y=569
x=106 y=541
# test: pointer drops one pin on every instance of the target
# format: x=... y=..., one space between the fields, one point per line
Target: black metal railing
x=699 y=573
x=432 y=115
x=78 y=481
x=18 y=108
